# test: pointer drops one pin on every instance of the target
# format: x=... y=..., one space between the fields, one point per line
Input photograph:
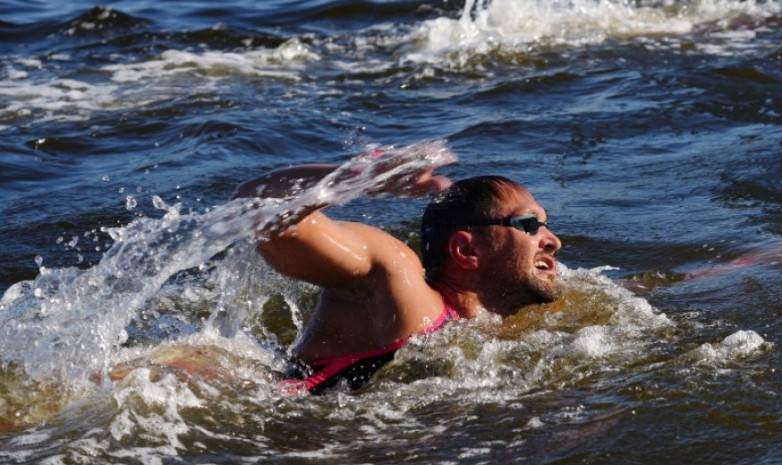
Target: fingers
x=431 y=184
x=440 y=183
x=426 y=184
x=404 y=171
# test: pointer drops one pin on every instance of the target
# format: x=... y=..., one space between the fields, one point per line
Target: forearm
x=403 y=172
x=284 y=182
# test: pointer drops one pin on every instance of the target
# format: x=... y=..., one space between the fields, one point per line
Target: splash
x=596 y=326
x=67 y=324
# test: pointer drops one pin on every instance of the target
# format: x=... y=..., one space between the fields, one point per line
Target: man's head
x=487 y=232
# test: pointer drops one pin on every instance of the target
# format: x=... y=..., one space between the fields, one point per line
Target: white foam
x=622 y=307
x=597 y=326
x=31 y=438
x=593 y=341
x=43 y=98
x=57 y=99
x=160 y=402
x=280 y=63
x=515 y=26
x=742 y=343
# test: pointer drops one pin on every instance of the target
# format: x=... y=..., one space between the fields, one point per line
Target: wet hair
x=463 y=202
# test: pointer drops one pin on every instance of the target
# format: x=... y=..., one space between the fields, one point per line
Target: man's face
x=518 y=268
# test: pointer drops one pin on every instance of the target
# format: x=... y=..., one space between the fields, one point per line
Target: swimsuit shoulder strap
x=450 y=311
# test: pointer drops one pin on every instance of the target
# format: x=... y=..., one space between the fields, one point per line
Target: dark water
x=650 y=131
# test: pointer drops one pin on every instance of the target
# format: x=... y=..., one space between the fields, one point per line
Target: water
x=649 y=130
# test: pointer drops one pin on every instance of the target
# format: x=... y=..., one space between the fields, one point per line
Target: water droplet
x=159 y=203
x=130 y=202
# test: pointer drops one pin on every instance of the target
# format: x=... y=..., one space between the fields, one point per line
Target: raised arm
x=299 y=250
x=332 y=254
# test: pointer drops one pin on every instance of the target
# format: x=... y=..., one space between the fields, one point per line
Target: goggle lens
x=530 y=224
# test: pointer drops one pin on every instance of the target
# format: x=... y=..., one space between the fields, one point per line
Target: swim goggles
x=530 y=224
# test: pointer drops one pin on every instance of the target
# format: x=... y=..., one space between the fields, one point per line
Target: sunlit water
x=138 y=325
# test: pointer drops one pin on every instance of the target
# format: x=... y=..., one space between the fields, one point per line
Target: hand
x=403 y=171
x=425 y=183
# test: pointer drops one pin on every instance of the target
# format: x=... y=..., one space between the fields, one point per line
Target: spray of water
x=68 y=323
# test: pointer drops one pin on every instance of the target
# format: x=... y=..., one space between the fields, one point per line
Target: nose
x=549 y=241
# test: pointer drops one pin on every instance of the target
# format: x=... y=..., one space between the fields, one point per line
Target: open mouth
x=545 y=263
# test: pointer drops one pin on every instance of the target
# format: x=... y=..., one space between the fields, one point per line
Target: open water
x=650 y=130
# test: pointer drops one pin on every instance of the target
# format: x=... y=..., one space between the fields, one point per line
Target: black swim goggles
x=530 y=224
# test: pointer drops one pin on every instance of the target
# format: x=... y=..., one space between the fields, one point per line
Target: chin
x=553 y=296
x=536 y=299
x=530 y=292
x=545 y=292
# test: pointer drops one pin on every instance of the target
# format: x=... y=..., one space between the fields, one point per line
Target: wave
x=520 y=26
x=111 y=61
x=103 y=21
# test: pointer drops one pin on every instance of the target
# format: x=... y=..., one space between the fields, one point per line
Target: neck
x=465 y=303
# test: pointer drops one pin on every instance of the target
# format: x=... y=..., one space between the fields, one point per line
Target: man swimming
x=485 y=245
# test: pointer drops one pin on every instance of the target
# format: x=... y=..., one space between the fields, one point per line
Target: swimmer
x=485 y=245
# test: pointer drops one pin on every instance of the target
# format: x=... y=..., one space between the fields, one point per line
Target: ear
x=462 y=250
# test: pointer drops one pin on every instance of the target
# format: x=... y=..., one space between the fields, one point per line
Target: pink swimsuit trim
x=326 y=368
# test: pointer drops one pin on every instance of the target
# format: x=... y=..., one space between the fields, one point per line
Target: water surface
x=650 y=131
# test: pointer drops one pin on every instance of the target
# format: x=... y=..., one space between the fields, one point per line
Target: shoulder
x=395 y=287
x=383 y=247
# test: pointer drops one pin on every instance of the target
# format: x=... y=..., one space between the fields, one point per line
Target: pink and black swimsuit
x=356 y=369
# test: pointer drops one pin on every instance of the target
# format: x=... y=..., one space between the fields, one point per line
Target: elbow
x=266 y=249
x=270 y=252
x=247 y=189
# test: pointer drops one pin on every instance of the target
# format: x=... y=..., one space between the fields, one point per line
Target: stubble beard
x=507 y=297
x=544 y=291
